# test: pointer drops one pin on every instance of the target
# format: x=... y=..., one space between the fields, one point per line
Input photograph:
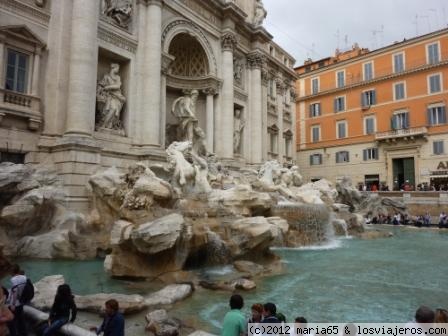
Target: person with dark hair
x=269 y=313
x=113 y=323
x=5 y=314
x=234 y=322
x=18 y=282
x=63 y=305
x=424 y=318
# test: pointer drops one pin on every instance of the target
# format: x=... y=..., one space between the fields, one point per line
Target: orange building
x=376 y=116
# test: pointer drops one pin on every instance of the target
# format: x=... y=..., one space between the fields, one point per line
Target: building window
x=369 y=125
x=315 y=85
x=436 y=115
x=16 y=71
x=315 y=110
x=339 y=104
x=273 y=143
x=399 y=91
x=400 y=120
x=368 y=98
x=437 y=147
x=342 y=157
x=315 y=133
x=370 y=154
x=315 y=159
x=398 y=62
x=341 y=129
x=12 y=157
x=434 y=83
x=433 y=53
x=340 y=78
x=368 y=71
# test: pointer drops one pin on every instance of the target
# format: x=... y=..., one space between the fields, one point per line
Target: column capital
x=209 y=91
x=256 y=60
x=228 y=41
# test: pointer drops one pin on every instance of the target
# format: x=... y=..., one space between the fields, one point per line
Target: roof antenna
x=416 y=24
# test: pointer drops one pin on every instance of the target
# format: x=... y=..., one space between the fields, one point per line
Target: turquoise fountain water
x=382 y=280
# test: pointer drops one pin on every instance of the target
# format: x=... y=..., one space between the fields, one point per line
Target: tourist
x=63 y=305
x=441 y=316
x=300 y=324
x=5 y=314
x=18 y=282
x=442 y=220
x=424 y=317
x=257 y=313
x=427 y=219
x=396 y=220
x=113 y=323
x=269 y=313
x=234 y=322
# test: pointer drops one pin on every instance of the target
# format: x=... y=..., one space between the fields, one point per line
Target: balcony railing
x=21 y=105
x=402 y=133
x=356 y=78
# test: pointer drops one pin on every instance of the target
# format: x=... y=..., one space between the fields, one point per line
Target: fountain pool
x=381 y=280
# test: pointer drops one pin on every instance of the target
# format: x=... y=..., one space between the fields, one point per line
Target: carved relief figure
x=120 y=11
x=238 y=126
x=238 y=71
x=110 y=99
x=260 y=13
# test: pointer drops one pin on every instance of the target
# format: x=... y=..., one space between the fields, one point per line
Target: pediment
x=22 y=32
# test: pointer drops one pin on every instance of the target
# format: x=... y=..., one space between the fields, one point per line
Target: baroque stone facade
x=90 y=84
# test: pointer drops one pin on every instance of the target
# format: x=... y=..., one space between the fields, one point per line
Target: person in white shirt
x=18 y=282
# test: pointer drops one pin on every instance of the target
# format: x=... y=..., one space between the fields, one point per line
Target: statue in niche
x=120 y=11
x=40 y=3
x=260 y=13
x=238 y=126
x=184 y=109
x=110 y=100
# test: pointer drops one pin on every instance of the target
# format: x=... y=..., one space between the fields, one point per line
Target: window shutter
x=363 y=99
x=375 y=153
x=364 y=154
x=337 y=157
x=441 y=147
x=443 y=116
x=320 y=158
x=373 y=102
x=311 y=110
x=317 y=109
x=434 y=147
x=335 y=105
x=311 y=160
x=406 y=120
x=347 y=156
x=429 y=114
x=393 y=122
x=342 y=104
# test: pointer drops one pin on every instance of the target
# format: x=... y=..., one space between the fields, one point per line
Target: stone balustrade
x=21 y=105
x=401 y=133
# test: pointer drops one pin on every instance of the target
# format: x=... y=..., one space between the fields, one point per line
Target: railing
x=399 y=133
x=357 y=78
x=21 y=105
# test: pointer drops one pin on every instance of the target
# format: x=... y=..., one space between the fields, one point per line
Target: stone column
x=36 y=69
x=2 y=61
x=281 y=140
x=150 y=121
x=256 y=61
x=210 y=118
x=294 y=123
x=264 y=104
x=224 y=144
x=83 y=68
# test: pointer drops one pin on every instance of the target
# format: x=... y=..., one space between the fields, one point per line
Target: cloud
x=315 y=28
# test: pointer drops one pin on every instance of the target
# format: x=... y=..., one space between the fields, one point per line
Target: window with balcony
x=17 y=71
x=339 y=104
x=434 y=83
x=436 y=115
x=368 y=98
x=369 y=125
x=437 y=147
x=340 y=78
x=433 y=53
x=370 y=154
x=315 y=159
x=398 y=62
x=341 y=129
x=399 y=91
x=315 y=85
x=315 y=110
x=342 y=156
x=368 y=71
x=315 y=133
x=400 y=120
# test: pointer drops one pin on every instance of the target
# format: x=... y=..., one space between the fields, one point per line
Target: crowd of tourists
x=63 y=310
x=422 y=220
x=236 y=324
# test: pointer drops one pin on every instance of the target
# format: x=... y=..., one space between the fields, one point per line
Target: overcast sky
x=315 y=28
